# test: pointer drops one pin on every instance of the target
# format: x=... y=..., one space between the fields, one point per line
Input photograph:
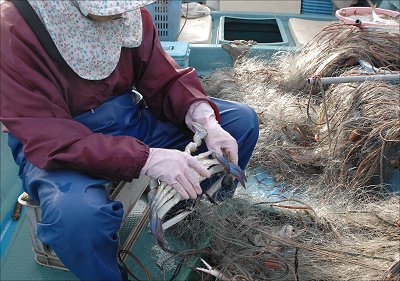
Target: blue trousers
x=79 y=220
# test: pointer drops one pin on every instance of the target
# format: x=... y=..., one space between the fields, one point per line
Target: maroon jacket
x=38 y=100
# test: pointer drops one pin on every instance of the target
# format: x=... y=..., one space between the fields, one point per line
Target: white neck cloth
x=91 y=48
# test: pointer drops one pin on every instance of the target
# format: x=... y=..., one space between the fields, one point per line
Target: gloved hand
x=177 y=169
x=217 y=139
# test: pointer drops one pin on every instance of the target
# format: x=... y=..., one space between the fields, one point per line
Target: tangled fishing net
x=283 y=238
x=330 y=148
x=343 y=135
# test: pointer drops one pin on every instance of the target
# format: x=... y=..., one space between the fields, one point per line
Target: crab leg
x=176 y=219
x=163 y=210
x=214 y=272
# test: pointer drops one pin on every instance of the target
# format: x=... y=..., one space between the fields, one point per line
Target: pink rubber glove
x=176 y=168
x=217 y=139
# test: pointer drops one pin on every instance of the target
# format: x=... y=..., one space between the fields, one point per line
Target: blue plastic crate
x=166 y=16
x=178 y=50
x=324 y=7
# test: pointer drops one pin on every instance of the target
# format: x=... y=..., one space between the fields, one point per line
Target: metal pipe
x=349 y=79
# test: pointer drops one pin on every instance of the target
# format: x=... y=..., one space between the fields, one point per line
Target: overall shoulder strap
x=33 y=20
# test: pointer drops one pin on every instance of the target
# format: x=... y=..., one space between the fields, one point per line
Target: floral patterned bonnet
x=91 y=48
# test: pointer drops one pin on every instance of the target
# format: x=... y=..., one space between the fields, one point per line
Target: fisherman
x=76 y=122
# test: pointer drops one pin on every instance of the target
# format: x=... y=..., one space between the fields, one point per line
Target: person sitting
x=113 y=107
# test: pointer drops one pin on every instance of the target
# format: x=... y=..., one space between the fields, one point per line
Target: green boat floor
x=19 y=261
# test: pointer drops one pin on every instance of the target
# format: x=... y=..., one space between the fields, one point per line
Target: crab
x=162 y=197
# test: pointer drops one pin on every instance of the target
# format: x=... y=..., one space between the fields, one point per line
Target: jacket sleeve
x=168 y=90
x=35 y=111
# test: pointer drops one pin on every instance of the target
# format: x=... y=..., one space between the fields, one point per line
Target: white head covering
x=91 y=48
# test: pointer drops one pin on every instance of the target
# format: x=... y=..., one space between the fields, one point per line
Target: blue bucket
x=166 y=15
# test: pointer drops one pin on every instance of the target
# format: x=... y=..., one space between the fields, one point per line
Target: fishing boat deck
x=17 y=258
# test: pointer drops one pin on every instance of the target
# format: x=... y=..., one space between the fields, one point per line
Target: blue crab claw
x=234 y=170
x=157 y=230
